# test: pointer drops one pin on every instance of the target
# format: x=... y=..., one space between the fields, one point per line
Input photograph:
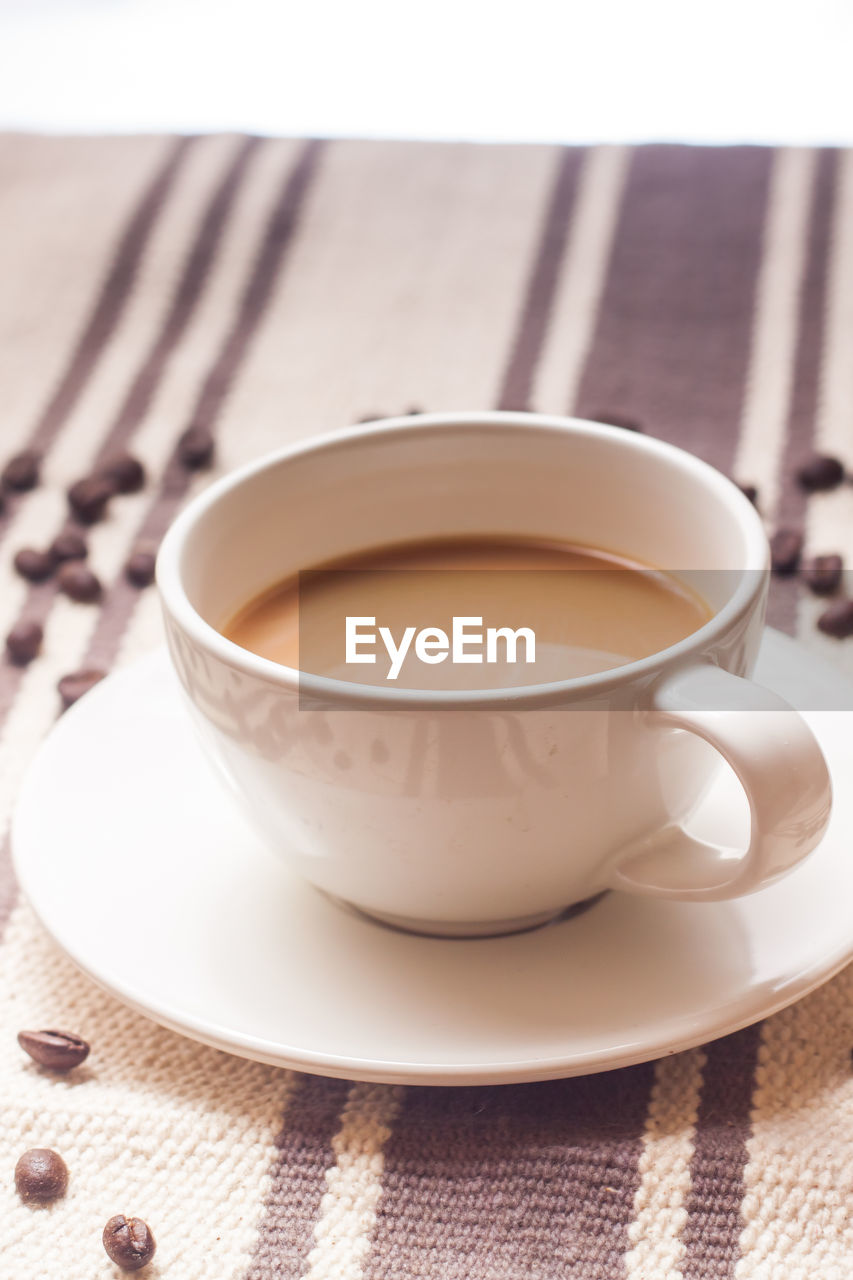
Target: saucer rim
x=678 y=1035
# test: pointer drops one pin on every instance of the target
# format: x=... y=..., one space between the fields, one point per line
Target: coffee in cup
x=555 y=612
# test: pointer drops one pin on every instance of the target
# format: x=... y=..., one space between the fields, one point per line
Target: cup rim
x=328 y=690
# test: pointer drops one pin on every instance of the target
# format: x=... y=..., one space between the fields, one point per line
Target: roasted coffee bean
x=622 y=420
x=126 y=472
x=23 y=642
x=69 y=545
x=195 y=448
x=823 y=574
x=22 y=471
x=76 y=683
x=79 y=583
x=41 y=1175
x=34 y=565
x=820 y=471
x=140 y=567
x=786 y=547
x=58 y=1050
x=129 y=1242
x=88 y=498
x=751 y=492
x=837 y=620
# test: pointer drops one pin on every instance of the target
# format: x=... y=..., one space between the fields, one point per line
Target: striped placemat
x=271 y=289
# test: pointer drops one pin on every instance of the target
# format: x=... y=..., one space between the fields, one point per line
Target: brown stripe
x=536 y=310
x=286 y=1233
x=263 y=275
x=518 y=1180
x=675 y=321
x=785 y=593
x=714 y=1224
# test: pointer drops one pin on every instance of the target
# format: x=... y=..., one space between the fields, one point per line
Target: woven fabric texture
x=268 y=290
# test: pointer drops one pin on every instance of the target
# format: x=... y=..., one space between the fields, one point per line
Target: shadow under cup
x=457 y=813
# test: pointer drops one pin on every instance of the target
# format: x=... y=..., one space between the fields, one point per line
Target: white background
x=692 y=70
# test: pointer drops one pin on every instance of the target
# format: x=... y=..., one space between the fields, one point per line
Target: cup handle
x=778 y=763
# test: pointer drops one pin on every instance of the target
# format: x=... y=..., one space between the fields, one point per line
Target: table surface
x=269 y=290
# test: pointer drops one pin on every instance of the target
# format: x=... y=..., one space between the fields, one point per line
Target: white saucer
x=137 y=864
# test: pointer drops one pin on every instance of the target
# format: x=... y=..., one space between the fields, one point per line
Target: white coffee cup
x=487 y=811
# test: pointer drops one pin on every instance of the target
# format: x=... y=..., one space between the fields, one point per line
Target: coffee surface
x=589 y=610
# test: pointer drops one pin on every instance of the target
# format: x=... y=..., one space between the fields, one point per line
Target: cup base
x=468 y=928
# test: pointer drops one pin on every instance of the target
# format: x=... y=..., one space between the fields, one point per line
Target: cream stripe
x=154 y=1126
x=581 y=278
x=799 y=1178
x=829 y=517
x=835 y=410
x=659 y=1206
x=768 y=393
x=402 y=290
x=80 y=193
x=348 y=1209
